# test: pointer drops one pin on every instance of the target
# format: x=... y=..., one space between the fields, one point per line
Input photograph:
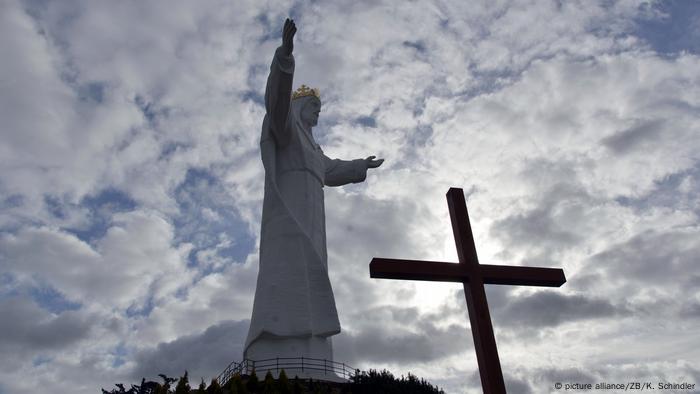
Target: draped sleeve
x=278 y=95
x=341 y=172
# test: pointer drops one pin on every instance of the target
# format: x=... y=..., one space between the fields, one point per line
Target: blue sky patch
x=41 y=359
x=54 y=206
x=169 y=148
x=209 y=219
x=92 y=91
x=366 y=121
x=8 y=285
x=102 y=207
x=667 y=192
x=52 y=300
x=119 y=352
x=12 y=201
x=678 y=31
x=144 y=310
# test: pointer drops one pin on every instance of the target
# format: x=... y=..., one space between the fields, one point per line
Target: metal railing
x=227 y=374
x=289 y=364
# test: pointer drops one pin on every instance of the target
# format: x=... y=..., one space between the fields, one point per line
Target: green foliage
x=183 y=385
x=319 y=388
x=296 y=387
x=165 y=387
x=384 y=382
x=269 y=384
x=214 y=387
x=283 y=386
x=236 y=386
x=253 y=384
x=371 y=382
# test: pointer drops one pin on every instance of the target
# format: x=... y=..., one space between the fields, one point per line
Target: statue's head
x=310 y=102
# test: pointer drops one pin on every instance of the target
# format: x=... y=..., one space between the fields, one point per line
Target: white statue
x=294 y=312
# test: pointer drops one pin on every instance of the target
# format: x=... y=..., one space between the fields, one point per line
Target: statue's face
x=309 y=114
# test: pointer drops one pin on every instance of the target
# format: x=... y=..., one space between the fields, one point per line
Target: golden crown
x=304 y=91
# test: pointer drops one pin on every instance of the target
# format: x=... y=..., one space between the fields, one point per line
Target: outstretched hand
x=371 y=163
x=288 y=32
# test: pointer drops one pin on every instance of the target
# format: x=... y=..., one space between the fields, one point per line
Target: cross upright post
x=473 y=276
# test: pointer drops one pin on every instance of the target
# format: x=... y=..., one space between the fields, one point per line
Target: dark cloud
x=516 y=385
x=401 y=335
x=544 y=308
x=548 y=229
x=664 y=259
x=634 y=137
x=552 y=308
x=551 y=223
x=691 y=310
x=202 y=355
x=544 y=379
x=533 y=228
x=388 y=227
x=680 y=190
x=27 y=327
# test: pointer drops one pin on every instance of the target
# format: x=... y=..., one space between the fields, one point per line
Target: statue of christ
x=294 y=312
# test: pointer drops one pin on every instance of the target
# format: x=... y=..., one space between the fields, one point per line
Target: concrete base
x=269 y=353
x=306 y=374
x=273 y=347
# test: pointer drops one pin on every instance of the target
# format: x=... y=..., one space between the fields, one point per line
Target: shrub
x=269 y=384
x=236 y=386
x=214 y=387
x=283 y=386
x=183 y=385
x=253 y=384
x=296 y=387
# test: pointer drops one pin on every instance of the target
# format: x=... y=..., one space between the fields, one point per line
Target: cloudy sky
x=131 y=183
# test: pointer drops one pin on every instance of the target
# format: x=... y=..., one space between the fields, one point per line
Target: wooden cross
x=473 y=275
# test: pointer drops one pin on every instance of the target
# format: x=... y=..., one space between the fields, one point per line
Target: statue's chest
x=311 y=153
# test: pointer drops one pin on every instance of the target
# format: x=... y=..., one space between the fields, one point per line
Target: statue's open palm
x=371 y=163
x=288 y=32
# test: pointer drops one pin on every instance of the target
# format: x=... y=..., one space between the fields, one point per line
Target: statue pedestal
x=265 y=348
x=305 y=357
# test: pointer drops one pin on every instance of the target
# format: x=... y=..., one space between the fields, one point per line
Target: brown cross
x=473 y=275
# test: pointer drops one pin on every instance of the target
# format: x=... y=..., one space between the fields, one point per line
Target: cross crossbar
x=439 y=271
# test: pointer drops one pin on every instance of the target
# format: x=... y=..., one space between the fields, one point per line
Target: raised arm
x=278 y=92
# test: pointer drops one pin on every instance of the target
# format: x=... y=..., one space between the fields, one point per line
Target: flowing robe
x=293 y=297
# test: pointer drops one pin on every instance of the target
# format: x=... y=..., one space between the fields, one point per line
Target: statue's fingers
x=377 y=163
x=370 y=157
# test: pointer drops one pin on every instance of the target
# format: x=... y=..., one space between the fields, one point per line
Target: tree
x=253 y=384
x=236 y=386
x=269 y=384
x=202 y=387
x=283 y=386
x=214 y=387
x=385 y=382
x=183 y=385
x=165 y=387
x=296 y=387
